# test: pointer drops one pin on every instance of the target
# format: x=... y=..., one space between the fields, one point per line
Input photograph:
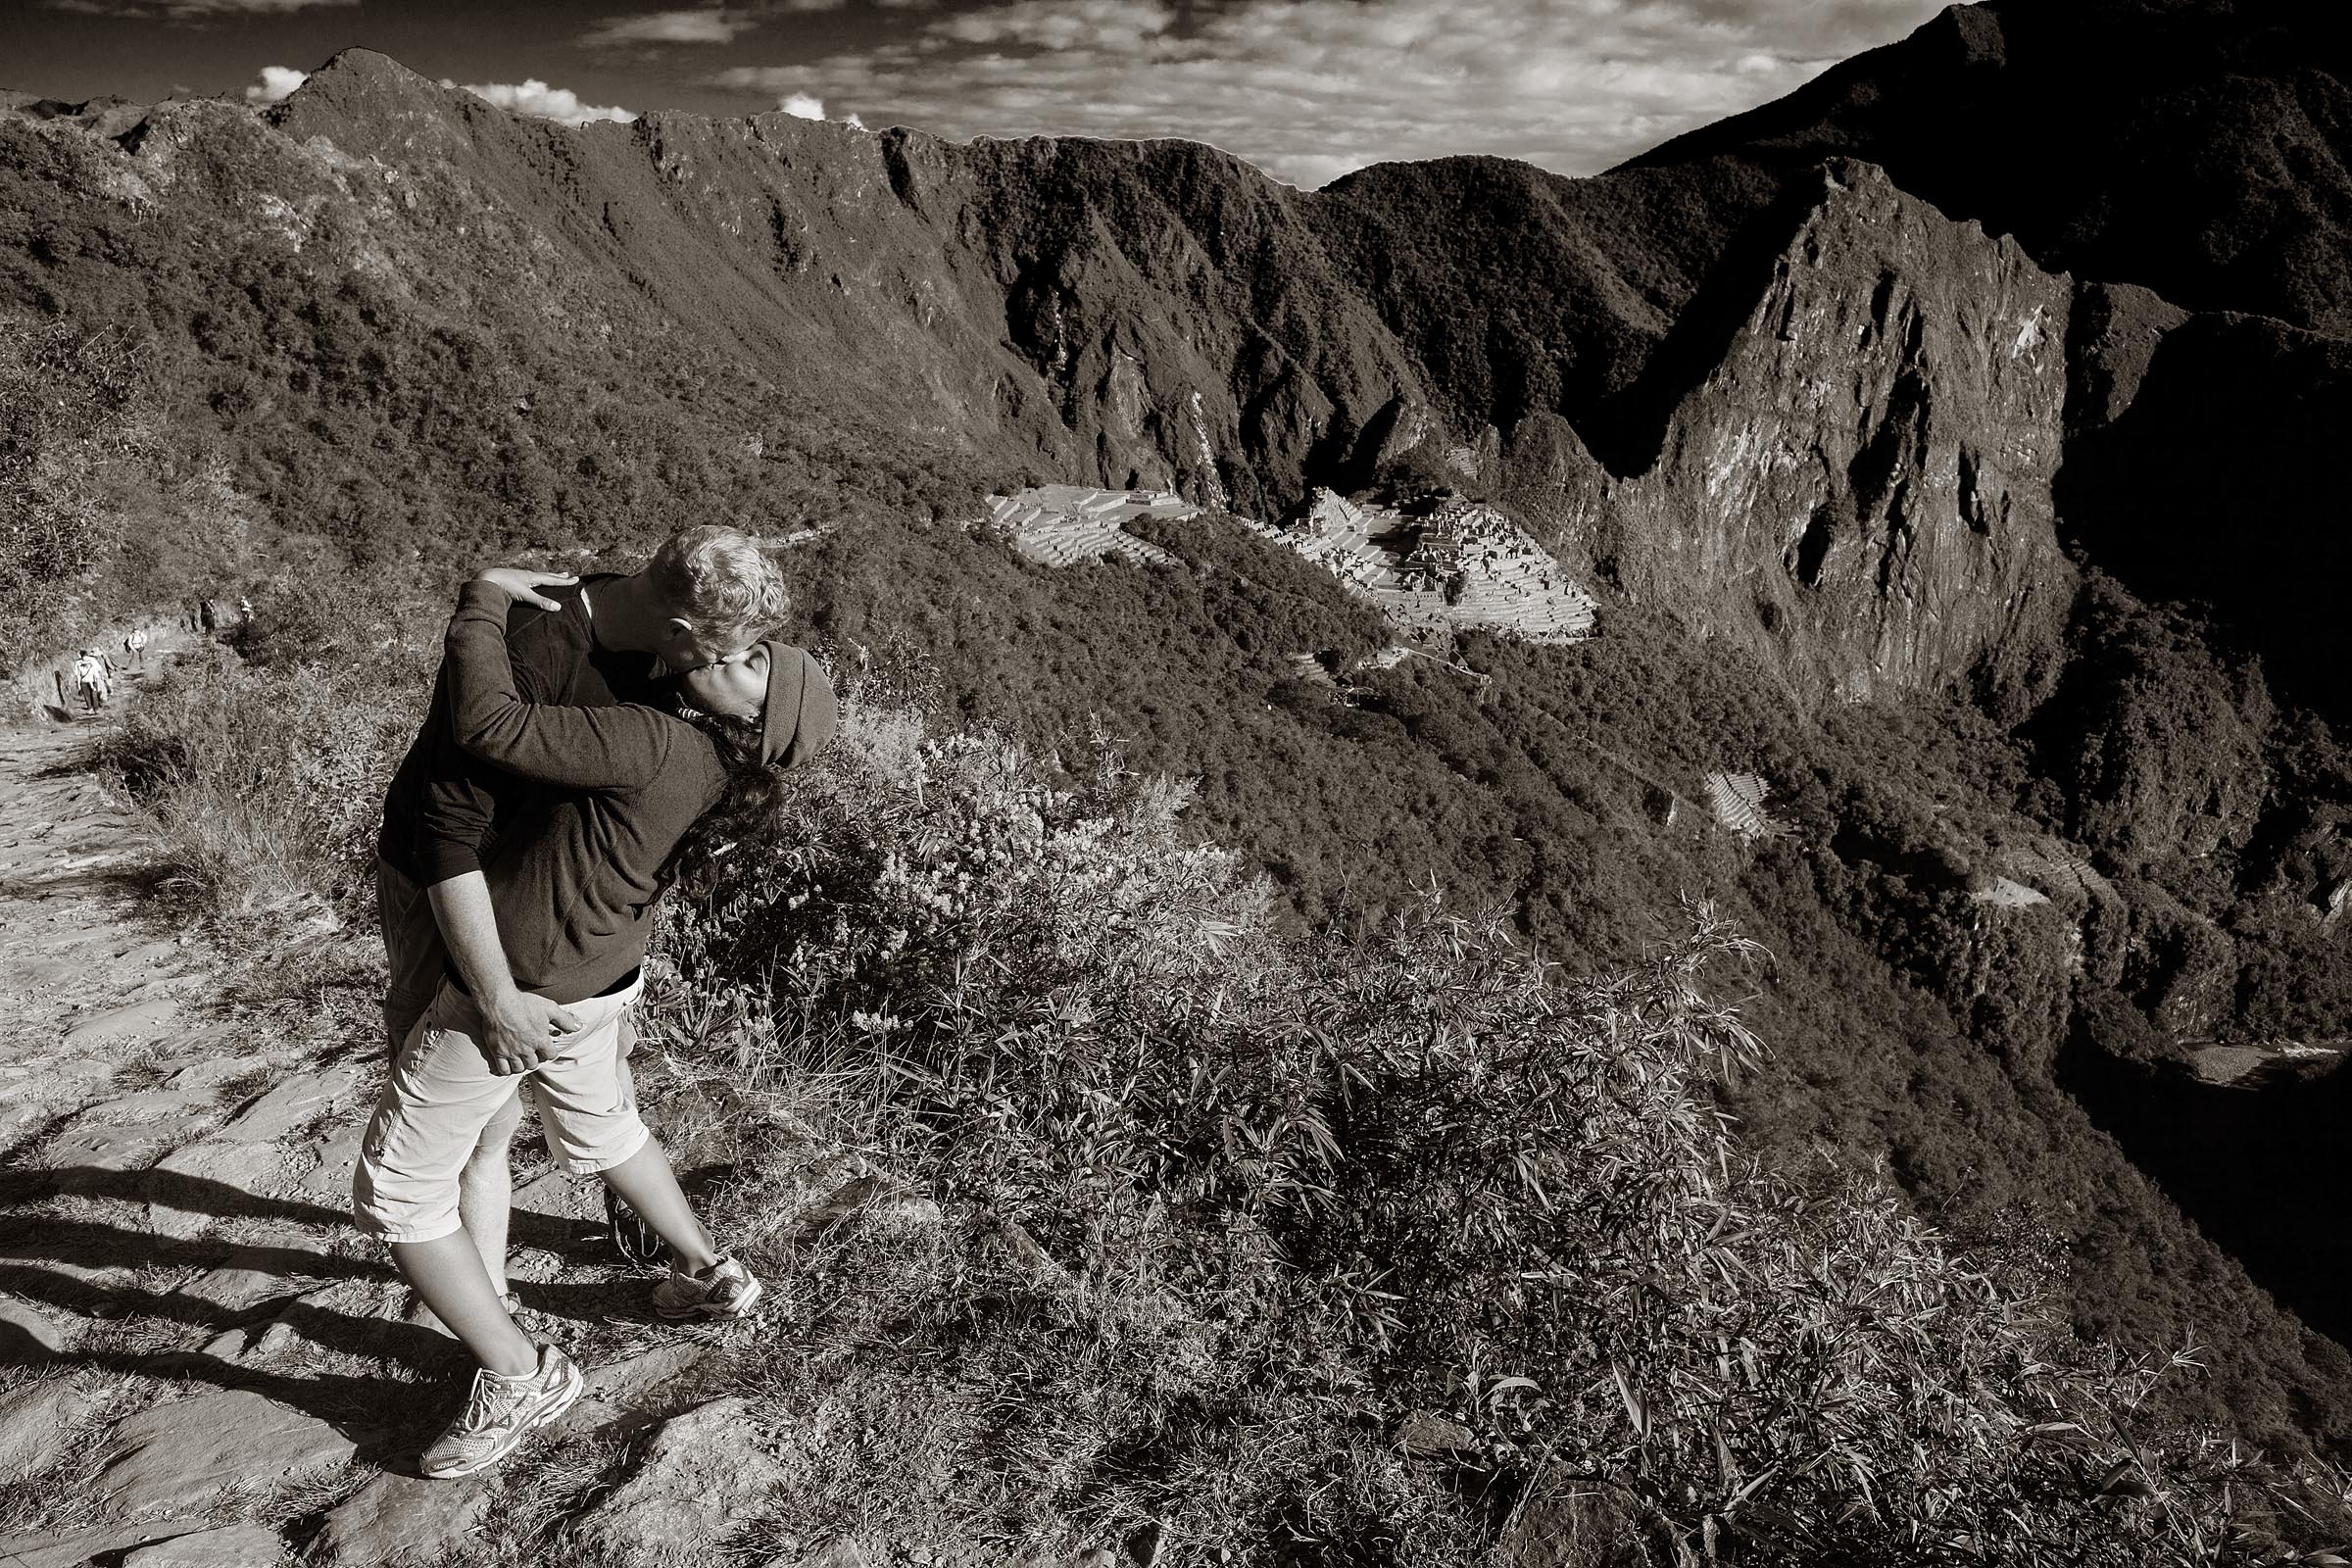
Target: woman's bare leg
x=447 y=1275
x=646 y=1180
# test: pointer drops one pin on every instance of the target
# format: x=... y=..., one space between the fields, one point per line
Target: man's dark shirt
x=445 y=808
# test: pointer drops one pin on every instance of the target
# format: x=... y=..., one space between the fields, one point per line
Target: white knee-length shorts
x=442 y=1095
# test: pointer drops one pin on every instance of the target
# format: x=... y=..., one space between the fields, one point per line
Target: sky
x=1305 y=89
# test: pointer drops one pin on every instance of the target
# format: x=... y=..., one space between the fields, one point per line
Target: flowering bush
x=920 y=887
x=1421 y=1172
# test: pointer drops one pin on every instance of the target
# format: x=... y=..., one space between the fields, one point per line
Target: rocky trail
x=201 y=1363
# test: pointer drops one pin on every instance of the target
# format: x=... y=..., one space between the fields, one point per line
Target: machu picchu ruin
x=1463 y=566
x=1738 y=801
x=1064 y=524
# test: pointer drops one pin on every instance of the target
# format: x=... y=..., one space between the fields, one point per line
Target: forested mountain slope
x=1876 y=494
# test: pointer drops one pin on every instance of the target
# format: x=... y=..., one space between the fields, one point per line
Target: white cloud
x=1309 y=89
x=668 y=27
x=802 y=106
x=277 y=85
x=535 y=97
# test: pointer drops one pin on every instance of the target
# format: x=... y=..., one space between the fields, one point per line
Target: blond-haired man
x=707 y=595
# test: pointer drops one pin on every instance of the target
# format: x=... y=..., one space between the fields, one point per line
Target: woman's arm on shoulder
x=573 y=748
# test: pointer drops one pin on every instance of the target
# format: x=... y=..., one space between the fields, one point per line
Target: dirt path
x=200 y=1361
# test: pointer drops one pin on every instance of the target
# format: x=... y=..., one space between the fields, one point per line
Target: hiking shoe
x=726 y=1291
x=500 y=1412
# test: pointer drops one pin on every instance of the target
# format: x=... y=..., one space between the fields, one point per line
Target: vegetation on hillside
x=1910 y=1024
x=1397 y=1246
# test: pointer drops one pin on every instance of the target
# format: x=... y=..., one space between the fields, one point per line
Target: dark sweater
x=578 y=869
x=445 y=807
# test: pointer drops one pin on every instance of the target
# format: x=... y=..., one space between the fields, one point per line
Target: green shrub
x=266 y=784
x=1422 y=1171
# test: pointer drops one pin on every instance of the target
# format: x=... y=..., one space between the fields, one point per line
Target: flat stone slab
x=31 y=1418
x=217 y=1070
x=140 y=1020
x=253 y=1275
x=639 y=1390
x=133 y=1110
x=231 y=1547
x=702 y=1471
x=332 y=1159
x=296 y=1102
x=37 y=974
x=194 y=1185
x=176 y=1457
x=161 y=950
x=402 y=1522
x=98 y=1148
x=560 y=1198
x=27 y=1333
x=167 y=985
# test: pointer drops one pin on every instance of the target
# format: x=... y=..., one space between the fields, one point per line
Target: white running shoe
x=500 y=1412
x=727 y=1290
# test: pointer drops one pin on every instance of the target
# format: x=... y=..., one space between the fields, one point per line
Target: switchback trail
x=201 y=1362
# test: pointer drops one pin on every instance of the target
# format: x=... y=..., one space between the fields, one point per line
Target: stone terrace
x=1062 y=524
x=1464 y=567
x=1738 y=801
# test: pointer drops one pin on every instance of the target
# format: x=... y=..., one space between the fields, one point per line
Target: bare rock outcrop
x=1859 y=488
x=701 y=1474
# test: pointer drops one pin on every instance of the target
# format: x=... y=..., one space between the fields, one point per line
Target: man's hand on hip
x=520 y=1029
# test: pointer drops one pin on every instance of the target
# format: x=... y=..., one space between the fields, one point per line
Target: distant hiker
x=89 y=679
x=135 y=647
x=512 y=949
x=244 y=610
x=203 y=614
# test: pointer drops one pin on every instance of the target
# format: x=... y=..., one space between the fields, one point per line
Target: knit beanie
x=800 y=718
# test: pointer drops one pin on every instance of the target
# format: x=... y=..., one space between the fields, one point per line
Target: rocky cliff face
x=1859 y=490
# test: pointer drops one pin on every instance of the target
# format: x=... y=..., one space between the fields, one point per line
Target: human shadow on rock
x=200 y=1194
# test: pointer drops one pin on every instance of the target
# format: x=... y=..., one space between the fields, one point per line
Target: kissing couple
x=579 y=729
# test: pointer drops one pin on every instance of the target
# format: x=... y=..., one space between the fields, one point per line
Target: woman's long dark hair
x=743 y=811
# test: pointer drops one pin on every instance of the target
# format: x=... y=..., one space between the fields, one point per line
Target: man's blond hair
x=722 y=581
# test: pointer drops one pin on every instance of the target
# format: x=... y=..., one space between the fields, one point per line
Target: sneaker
x=726 y=1291
x=500 y=1412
